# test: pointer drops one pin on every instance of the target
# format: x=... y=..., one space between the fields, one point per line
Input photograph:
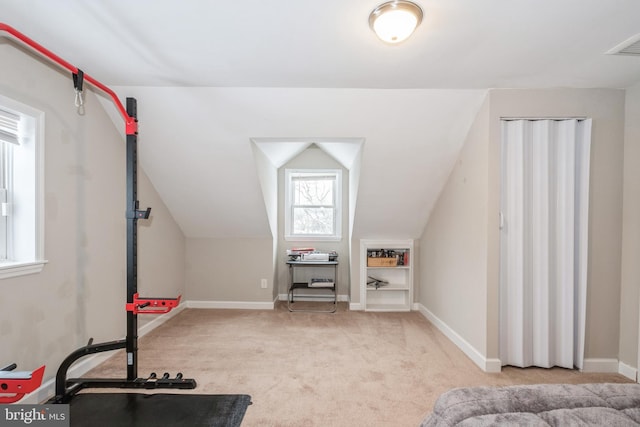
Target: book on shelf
x=321 y=283
x=315 y=256
x=387 y=257
x=310 y=254
x=300 y=250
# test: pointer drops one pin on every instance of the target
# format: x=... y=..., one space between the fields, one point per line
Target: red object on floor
x=17 y=384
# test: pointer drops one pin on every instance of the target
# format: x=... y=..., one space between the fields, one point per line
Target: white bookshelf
x=390 y=262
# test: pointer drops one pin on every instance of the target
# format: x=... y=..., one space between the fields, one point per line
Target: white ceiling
x=211 y=75
x=292 y=43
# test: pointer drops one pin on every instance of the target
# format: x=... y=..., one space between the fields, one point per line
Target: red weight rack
x=66 y=388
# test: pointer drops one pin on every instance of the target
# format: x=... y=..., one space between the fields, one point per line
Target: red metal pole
x=131 y=125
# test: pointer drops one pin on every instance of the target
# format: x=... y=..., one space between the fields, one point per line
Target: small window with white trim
x=21 y=189
x=313 y=200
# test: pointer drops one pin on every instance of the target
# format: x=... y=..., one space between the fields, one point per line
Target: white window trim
x=288 y=236
x=31 y=266
x=20 y=268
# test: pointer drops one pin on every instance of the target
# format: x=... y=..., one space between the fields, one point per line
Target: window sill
x=313 y=238
x=17 y=268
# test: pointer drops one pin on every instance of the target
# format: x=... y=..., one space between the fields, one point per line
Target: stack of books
x=310 y=254
x=321 y=283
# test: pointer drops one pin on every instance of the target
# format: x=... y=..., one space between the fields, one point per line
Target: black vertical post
x=132 y=243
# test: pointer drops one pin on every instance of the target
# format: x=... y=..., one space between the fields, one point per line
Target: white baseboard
x=356 y=306
x=84 y=365
x=628 y=371
x=604 y=365
x=487 y=365
x=600 y=365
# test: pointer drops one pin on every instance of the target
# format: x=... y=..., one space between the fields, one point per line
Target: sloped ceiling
x=211 y=75
x=201 y=162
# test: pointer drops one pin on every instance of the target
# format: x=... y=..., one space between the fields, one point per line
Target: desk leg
x=290 y=290
x=335 y=287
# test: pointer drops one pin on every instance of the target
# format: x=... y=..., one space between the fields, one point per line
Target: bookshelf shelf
x=386 y=275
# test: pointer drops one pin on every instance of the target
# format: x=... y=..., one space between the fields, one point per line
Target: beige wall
x=606 y=108
x=81 y=291
x=229 y=270
x=630 y=273
x=453 y=258
x=161 y=248
x=268 y=177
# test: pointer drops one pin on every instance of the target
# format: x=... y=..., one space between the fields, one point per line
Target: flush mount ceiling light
x=395 y=21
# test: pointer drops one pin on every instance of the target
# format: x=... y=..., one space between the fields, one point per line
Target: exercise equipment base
x=157 y=410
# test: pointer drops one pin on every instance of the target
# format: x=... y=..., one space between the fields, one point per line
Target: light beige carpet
x=313 y=369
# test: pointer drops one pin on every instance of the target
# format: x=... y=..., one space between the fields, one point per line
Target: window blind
x=9 y=124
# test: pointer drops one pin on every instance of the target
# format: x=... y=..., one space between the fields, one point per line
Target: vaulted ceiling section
x=217 y=80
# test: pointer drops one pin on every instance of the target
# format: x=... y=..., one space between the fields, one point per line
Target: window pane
x=313 y=221
x=313 y=192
